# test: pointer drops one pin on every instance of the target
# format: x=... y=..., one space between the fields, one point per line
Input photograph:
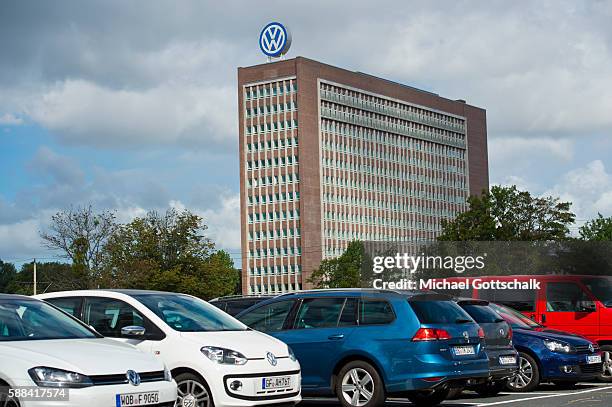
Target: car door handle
x=336 y=337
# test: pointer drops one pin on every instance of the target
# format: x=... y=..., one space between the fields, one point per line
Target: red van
x=577 y=304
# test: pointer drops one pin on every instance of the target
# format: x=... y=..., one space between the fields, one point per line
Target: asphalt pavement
x=583 y=395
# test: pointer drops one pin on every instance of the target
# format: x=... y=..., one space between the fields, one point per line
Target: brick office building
x=328 y=156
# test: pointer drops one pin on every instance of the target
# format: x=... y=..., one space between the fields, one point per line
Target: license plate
x=137 y=399
x=464 y=350
x=280 y=382
x=593 y=359
x=507 y=360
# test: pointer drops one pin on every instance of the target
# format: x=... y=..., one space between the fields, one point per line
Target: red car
x=577 y=304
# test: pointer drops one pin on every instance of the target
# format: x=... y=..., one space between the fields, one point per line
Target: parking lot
x=588 y=394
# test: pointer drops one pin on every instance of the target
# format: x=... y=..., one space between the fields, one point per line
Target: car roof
x=543 y=277
x=356 y=292
x=16 y=297
x=229 y=298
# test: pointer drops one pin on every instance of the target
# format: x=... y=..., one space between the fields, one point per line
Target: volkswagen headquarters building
x=328 y=156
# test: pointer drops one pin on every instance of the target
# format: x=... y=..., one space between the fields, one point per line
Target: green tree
x=51 y=276
x=507 y=214
x=167 y=252
x=343 y=271
x=8 y=272
x=598 y=229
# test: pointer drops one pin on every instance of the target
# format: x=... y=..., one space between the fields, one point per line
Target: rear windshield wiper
x=462 y=321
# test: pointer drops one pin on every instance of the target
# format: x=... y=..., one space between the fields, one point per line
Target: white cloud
x=513 y=148
x=589 y=188
x=9 y=119
x=84 y=113
x=224 y=222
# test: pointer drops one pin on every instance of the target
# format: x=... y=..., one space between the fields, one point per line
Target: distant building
x=328 y=156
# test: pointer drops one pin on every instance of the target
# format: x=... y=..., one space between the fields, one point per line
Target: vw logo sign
x=591 y=348
x=133 y=377
x=274 y=40
x=271 y=358
x=466 y=336
x=502 y=332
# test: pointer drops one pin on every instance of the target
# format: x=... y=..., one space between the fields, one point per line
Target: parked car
x=365 y=345
x=215 y=359
x=503 y=358
x=547 y=355
x=46 y=353
x=576 y=304
x=235 y=304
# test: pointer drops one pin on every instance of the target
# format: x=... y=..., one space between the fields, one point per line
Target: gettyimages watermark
x=460 y=267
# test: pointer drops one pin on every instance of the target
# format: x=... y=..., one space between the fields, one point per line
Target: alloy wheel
x=357 y=387
x=524 y=376
x=607 y=364
x=6 y=401
x=192 y=394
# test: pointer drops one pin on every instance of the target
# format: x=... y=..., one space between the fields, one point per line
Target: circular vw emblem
x=189 y=401
x=133 y=377
x=466 y=336
x=502 y=332
x=274 y=40
x=271 y=358
x=591 y=348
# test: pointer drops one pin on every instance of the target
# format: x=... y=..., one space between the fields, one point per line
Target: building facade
x=328 y=156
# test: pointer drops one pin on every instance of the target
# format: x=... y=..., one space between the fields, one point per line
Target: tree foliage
x=598 y=229
x=507 y=214
x=343 y=271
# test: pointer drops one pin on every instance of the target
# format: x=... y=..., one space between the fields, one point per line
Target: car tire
x=429 y=398
x=490 y=389
x=360 y=385
x=5 y=399
x=454 y=393
x=192 y=391
x=606 y=358
x=528 y=376
x=565 y=385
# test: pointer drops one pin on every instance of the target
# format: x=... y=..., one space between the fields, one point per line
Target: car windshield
x=27 y=320
x=601 y=287
x=514 y=318
x=189 y=314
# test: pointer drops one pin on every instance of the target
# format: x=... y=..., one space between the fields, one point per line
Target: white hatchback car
x=48 y=358
x=215 y=359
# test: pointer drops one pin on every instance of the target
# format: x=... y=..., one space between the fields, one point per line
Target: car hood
x=544 y=333
x=96 y=356
x=252 y=344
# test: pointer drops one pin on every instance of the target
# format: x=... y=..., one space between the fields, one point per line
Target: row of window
x=422 y=180
x=379 y=138
x=274 y=234
x=274 y=288
x=273 y=126
x=271 y=109
x=272 y=162
x=275 y=270
x=275 y=251
x=272 y=216
x=389 y=153
x=352 y=165
x=273 y=144
x=274 y=89
x=320 y=313
x=273 y=180
x=412 y=210
x=272 y=198
x=390 y=107
x=331 y=197
x=397 y=127
x=382 y=236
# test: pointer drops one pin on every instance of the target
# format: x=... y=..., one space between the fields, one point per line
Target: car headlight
x=224 y=356
x=50 y=377
x=291 y=354
x=556 y=346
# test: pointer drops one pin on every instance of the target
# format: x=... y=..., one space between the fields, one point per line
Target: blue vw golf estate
x=365 y=345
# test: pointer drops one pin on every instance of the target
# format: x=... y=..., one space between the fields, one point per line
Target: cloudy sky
x=131 y=105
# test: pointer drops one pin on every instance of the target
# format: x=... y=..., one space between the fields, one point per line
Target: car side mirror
x=608 y=304
x=133 y=331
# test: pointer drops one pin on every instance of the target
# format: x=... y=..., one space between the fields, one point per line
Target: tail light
x=510 y=333
x=430 y=334
x=481 y=333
